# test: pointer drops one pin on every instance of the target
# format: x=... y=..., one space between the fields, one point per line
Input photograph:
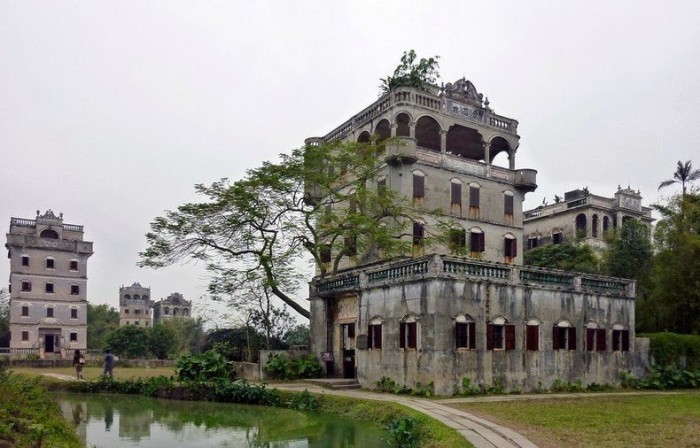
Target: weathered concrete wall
x=436 y=303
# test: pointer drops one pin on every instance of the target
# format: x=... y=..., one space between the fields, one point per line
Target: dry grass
x=610 y=421
x=92 y=373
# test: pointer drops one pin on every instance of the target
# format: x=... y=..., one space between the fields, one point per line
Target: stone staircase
x=335 y=383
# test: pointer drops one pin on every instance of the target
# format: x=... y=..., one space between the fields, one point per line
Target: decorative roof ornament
x=464 y=91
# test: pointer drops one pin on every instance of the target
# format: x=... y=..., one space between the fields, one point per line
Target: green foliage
x=4 y=318
x=188 y=335
x=305 y=402
x=29 y=417
x=664 y=377
x=569 y=257
x=203 y=367
x=566 y=386
x=236 y=344
x=258 y=228
x=101 y=319
x=280 y=366
x=299 y=335
x=410 y=73
x=674 y=349
x=162 y=340
x=684 y=175
x=469 y=389
x=675 y=301
x=129 y=341
x=629 y=251
x=404 y=432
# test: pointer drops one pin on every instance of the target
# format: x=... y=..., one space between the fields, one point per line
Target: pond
x=108 y=421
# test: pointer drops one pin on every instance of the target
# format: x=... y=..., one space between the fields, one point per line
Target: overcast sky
x=110 y=112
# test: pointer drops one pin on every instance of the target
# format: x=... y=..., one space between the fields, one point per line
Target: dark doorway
x=348 y=334
x=48 y=343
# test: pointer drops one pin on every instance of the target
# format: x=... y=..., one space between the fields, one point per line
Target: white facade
x=48 y=285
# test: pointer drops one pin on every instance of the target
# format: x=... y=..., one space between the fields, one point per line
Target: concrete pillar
x=487 y=152
x=511 y=159
x=443 y=141
x=393 y=129
x=412 y=129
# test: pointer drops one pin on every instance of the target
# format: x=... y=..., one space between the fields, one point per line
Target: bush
x=664 y=377
x=279 y=366
x=404 y=432
x=670 y=348
x=206 y=366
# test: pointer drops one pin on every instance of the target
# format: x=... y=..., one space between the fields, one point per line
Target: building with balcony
x=581 y=216
x=135 y=305
x=173 y=306
x=437 y=318
x=48 y=285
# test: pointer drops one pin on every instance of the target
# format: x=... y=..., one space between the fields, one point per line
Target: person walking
x=109 y=363
x=78 y=363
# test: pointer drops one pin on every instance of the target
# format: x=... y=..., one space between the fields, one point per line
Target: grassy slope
x=93 y=373
x=613 y=421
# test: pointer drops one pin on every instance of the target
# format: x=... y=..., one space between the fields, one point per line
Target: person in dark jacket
x=78 y=363
x=109 y=363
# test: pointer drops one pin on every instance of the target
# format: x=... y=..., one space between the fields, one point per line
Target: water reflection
x=108 y=421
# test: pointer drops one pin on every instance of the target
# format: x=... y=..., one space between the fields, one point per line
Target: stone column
x=412 y=129
x=393 y=129
x=511 y=159
x=443 y=141
x=487 y=152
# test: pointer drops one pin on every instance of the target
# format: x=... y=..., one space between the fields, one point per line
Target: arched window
x=166 y=310
x=48 y=233
x=428 y=133
x=594 y=226
x=606 y=224
x=374 y=333
x=457 y=240
x=456 y=197
x=581 y=226
x=533 y=241
x=127 y=296
x=408 y=332
x=510 y=247
x=620 y=338
x=477 y=241
x=465 y=332
x=564 y=336
x=176 y=311
x=418 y=185
x=500 y=335
x=137 y=297
x=595 y=337
x=557 y=236
x=364 y=137
x=383 y=130
x=508 y=207
x=532 y=335
x=402 y=125
x=474 y=190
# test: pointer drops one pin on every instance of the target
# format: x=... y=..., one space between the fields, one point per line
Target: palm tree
x=684 y=175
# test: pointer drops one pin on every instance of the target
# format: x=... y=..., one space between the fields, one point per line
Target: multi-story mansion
x=135 y=305
x=583 y=217
x=438 y=318
x=48 y=285
x=172 y=306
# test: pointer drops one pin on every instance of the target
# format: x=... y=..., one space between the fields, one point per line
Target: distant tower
x=173 y=306
x=48 y=285
x=135 y=305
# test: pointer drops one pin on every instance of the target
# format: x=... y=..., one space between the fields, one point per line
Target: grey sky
x=110 y=112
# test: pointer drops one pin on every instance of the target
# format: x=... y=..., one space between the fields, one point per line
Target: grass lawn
x=92 y=373
x=614 y=421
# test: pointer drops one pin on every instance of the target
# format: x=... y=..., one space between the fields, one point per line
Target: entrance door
x=48 y=343
x=348 y=332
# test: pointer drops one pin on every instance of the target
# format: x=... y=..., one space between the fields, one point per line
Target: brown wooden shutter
x=625 y=340
x=412 y=329
x=402 y=335
x=473 y=197
x=590 y=336
x=472 y=334
x=572 y=338
x=533 y=337
x=514 y=247
x=489 y=337
x=456 y=196
x=600 y=340
x=510 y=337
x=378 y=335
x=508 y=205
x=482 y=242
x=460 y=335
x=556 y=343
x=418 y=186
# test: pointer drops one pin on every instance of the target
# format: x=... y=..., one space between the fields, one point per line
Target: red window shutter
x=625 y=340
x=572 y=338
x=456 y=196
x=418 y=186
x=533 y=337
x=590 y=336
x=472 y=334
x=510 y=337
x=402 y=335
x=600 y=340
x=412 y=329
x=489 y=337
x=473 y=197
x=556 y=343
